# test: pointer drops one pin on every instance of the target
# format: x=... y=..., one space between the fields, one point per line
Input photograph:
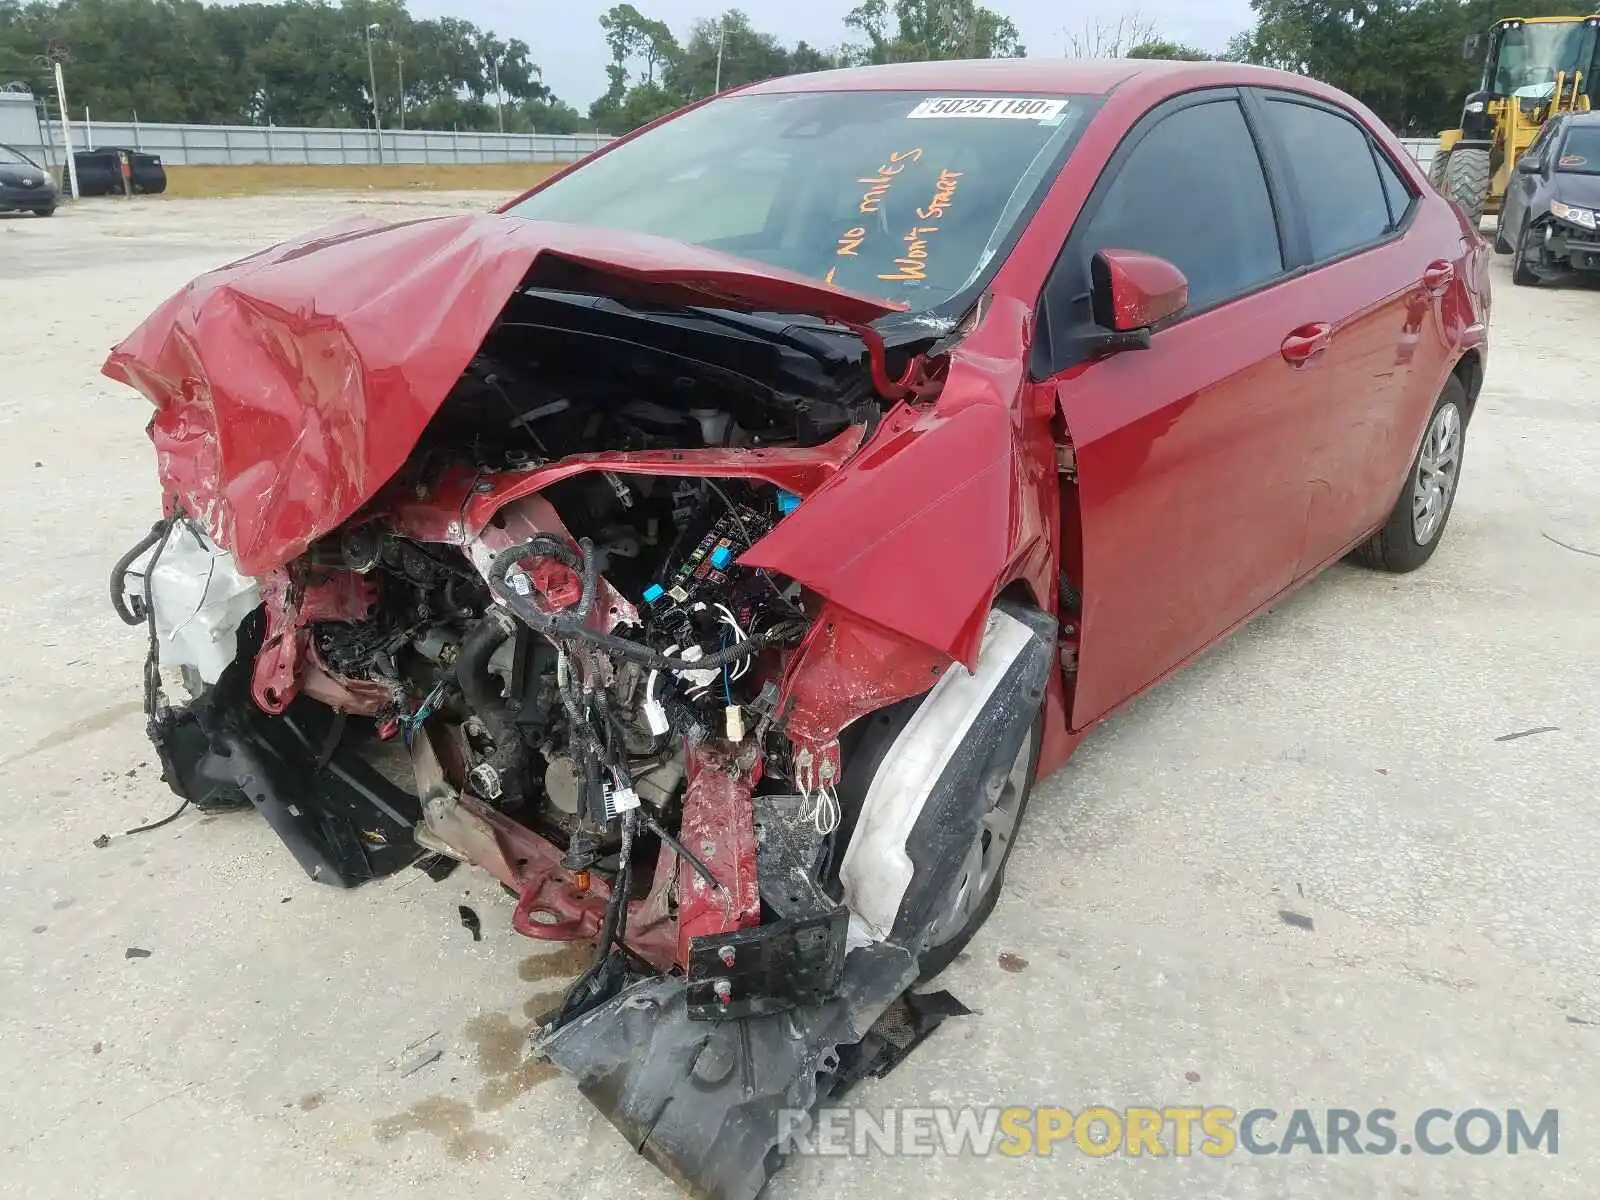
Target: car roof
x=1064 y=76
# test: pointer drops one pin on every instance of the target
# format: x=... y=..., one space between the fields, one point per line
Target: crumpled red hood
x=291 y=385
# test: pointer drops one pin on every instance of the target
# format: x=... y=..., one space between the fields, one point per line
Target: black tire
x=1466 y=181
x=1436 y=169
x=868 y=742
x=1395 y=547
x=1521 y=273
x=935 y=958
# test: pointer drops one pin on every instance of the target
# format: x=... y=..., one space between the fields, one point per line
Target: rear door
x=1381 y=290
x=1190 y=455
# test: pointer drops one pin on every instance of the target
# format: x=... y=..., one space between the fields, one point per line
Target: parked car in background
x=716 y=543
x=100 y=171
x=1550 y=221
x=25 y=186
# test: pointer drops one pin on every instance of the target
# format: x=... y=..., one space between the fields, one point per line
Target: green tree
x=295 y=62
x=1402 y=58
x=747 y=56
x=1176 y=51
x=924 y=30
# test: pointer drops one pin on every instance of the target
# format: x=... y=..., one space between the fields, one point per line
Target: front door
x=1191 y=455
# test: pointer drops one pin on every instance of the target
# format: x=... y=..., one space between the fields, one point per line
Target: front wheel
x=1466 y=181
x=1006 y=794
x=1436 y=169
x=1416 y=525
x=1522 y=274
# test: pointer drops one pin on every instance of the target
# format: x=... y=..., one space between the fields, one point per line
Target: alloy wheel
x=1438 y=467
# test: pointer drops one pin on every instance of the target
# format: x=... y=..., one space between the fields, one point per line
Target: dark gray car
x=1550 y=220
x=25 y=186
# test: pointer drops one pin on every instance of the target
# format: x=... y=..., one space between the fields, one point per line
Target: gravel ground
x=1342 y=760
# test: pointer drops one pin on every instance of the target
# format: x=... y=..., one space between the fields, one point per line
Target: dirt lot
x=200 y=182
x=1343 y=760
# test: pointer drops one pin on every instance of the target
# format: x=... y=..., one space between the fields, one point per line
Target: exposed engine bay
x=551 y=645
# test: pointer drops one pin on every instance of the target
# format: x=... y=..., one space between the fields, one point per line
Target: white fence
x=1422 y=149
x=236 y=145
x=240 y=144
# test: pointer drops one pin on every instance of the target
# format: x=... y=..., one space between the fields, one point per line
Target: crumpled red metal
x=291 y=385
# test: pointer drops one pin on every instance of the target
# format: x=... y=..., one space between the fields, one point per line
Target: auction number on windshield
x=1016 y=108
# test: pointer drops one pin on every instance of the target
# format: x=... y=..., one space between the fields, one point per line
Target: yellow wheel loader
x=1534 y=67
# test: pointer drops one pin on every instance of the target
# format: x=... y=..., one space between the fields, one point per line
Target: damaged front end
x=534 y=615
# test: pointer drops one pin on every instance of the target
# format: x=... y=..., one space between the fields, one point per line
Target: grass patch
x=199 y=182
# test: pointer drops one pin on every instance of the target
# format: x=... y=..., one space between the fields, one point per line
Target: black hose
x=119 y=574
x=482 y=691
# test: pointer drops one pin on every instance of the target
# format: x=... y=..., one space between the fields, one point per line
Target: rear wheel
x=1466 y=181
x=1416 y=526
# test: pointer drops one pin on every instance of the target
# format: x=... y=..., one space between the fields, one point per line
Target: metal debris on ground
x=437 y=867
x=1522 y=733
x=470 y=920
x=425 y=1059
x=136 y=952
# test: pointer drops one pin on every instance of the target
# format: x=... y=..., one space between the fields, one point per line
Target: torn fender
x=289 y=386
x=921 y=529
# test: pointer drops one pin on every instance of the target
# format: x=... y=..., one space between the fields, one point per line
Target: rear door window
x=1192 y=191
x=1395 y=188
x=1335 y=175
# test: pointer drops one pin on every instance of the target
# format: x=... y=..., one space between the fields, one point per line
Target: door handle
x=1307 y=342
x=1438 y=277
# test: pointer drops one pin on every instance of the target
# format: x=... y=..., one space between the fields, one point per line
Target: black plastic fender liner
x=706 y=1101
x=342 y=820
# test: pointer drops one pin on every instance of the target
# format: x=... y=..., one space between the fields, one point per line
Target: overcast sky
x=567 y=42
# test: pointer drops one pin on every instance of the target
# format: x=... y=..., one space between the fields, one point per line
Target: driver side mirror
x=1130 y=292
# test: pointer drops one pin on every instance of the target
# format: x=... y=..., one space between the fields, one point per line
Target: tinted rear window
x=1336 y=176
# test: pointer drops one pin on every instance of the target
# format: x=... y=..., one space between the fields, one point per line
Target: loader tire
x=1466 y=181
x=1436 y=169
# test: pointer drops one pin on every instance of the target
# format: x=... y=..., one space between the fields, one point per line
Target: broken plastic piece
x=620 y=800
x=470 y=920
x=735 y=723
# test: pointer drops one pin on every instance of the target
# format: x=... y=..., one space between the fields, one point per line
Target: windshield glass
x=13 y=158
x=1532 y=55
x=1580 y=152
x=897 y=194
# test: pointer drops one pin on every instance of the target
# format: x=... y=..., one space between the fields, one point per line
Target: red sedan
x=717 y=542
